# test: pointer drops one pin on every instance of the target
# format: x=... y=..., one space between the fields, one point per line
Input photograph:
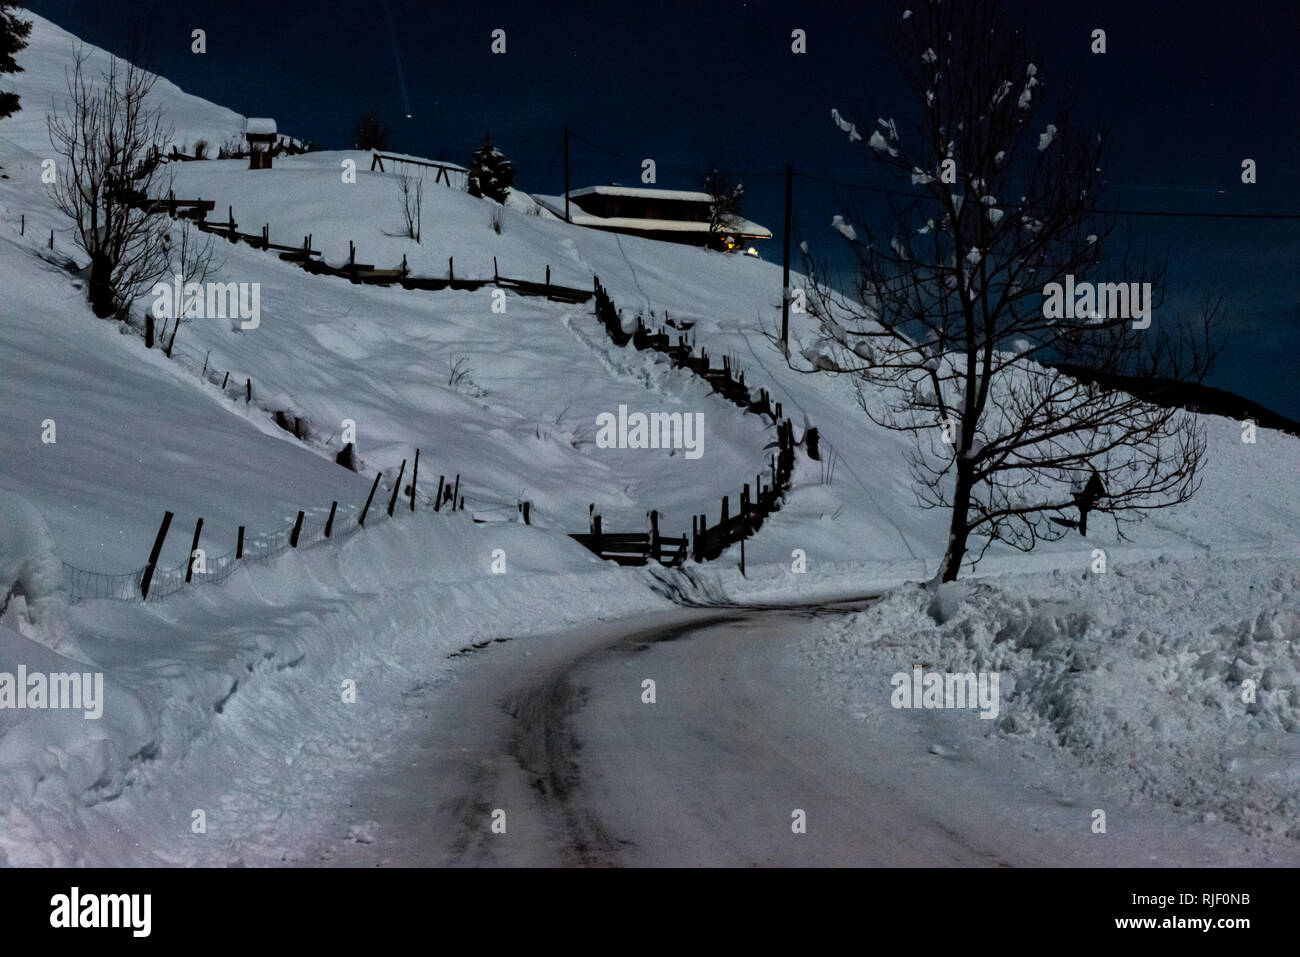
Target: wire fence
x=85 y=584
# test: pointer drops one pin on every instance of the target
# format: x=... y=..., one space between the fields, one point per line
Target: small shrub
x=462 y=378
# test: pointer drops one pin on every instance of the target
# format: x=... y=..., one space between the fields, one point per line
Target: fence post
x=224 y=381
x=595 y=535
x=51 y=239
x=248 y=391
x=744 y=524
x=362 y=521
x=451 y=268
x=455 y=493
x=189 y=564
x=810 y=441
x=22 y=229
x=239 y=544
x=744 y=516
x=297 y=530
x=654 y=535
x=437 y=503
x=415 y=472
x=392 y=502
x=329 y=522
x=527 y=518
x=153 y=555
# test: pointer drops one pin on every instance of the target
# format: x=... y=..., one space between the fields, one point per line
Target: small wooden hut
x=261 y=135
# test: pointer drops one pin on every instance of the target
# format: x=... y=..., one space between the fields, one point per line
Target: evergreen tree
x=13 y=37
x=490 y=174
x=370 y=132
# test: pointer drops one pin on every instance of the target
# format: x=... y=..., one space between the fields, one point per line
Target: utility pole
x=566 y=175
x=785 y=282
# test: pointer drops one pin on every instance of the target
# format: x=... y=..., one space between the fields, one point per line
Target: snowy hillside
x=42 y=86
x=252 y=665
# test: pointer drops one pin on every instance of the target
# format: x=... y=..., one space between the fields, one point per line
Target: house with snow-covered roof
x=672 y=215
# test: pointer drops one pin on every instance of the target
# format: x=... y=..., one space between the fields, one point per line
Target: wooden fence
x=756 y=502
x=356 y=272
x=634 y=548
x=631 y=548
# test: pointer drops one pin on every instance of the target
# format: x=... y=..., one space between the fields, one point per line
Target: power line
x=884 y=191
x=1117 y=212
x=695 y=171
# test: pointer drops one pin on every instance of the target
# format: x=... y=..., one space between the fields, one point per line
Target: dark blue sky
x=1189 y=88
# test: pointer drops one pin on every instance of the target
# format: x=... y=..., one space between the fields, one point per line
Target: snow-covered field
x=1138 y=670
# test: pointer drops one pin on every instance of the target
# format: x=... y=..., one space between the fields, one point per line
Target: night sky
x=1189 y=89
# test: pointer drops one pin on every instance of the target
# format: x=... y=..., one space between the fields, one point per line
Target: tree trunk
x=101 y=290
x=958 y=530
x=148 y=328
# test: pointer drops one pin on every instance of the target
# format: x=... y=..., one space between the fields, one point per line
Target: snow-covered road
x=551 y=741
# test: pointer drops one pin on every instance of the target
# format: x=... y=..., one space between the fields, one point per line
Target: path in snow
x=554 y=733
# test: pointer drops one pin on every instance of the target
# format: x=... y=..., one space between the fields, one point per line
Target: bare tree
x=955 y=330
x=724 y=205
x=190 y=260
x=111 y=143
x=412 y=187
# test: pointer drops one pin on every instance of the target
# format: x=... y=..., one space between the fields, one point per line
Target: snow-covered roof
x=641 y=192
x=579 y=217
x=260 y=126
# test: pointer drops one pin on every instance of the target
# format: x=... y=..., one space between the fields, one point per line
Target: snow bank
x=1178 y=678
x=247 y=681
x=32 y=589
